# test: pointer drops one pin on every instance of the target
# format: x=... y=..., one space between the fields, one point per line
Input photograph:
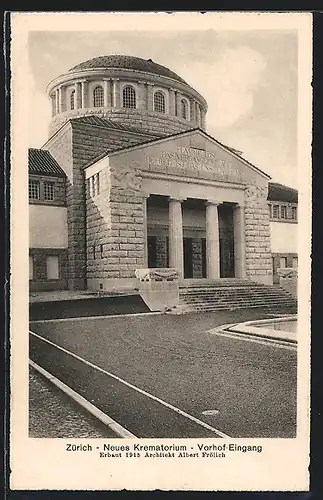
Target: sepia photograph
x=166 y=215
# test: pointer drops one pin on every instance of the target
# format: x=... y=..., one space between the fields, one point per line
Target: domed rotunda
x=128 y=90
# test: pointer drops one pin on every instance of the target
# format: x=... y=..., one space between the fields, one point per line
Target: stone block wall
x=73 y=147
x=257 y=234
x=148 y=122
x=40 y=281
x=115 y=228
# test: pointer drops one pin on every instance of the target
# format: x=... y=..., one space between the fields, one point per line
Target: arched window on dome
x=72 y=99
x=129 y=97
x=98 y=97
x=159 y=102
x=184 y=109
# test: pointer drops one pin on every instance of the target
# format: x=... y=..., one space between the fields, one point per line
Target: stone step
x=228 y=306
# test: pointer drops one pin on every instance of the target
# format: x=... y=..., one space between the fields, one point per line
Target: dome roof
x=128 y=62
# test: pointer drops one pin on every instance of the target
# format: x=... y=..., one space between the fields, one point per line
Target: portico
x=184 y=202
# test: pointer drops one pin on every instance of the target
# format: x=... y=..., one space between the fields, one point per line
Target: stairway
x=232 y=294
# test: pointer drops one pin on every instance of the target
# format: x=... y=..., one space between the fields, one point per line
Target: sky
x=249 y=79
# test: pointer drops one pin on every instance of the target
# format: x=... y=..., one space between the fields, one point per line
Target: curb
x=93 y=410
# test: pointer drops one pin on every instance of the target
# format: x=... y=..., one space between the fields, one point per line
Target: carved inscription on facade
x=197 y=160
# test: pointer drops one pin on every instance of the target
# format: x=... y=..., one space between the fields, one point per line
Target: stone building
x=129 y=178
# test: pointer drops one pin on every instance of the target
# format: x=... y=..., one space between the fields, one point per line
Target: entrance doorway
x=188 y=257
x=226 y=228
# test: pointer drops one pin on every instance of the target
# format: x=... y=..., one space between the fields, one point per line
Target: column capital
x=177 y=198
x=213 y=202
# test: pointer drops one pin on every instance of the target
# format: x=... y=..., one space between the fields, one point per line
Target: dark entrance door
x=203 y=258
x=152 y=251
x=188 y=258
x=226 y=241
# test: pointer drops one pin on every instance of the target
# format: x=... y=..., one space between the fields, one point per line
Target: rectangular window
x=270 y=211
x=31 y=267
x=93 y=251
x=98 y=183
x=294 y=213
x=283 y=262
x=49 y=191
x=52 y=267
x=92 y=187
x=101 y=251
x=295 y=262
x=275 y=211
x=283 y=212
x=34 y=190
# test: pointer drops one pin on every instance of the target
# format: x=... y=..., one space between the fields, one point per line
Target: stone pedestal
x=158 y=287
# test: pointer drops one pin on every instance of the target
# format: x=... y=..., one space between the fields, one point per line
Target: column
x=57 y=100
x=144 y=213
x=150 y=104
x=212 y=240
x=239 y=241
x=192 y=110
x=198 y=115
x=84 y=94
x=141 y=97
x=203 y=113
x=178 y=104
x=62 y=99
x=172 y=104
x=116 y=93
x=77 y=103
x=107 y=93
x=53 y=97
x=176 y=257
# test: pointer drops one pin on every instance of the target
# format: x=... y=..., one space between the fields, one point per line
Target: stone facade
x=73 y=147
x=257 y=231
x=115 y=227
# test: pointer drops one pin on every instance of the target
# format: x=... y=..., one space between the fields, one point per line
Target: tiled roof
x=105 y=122
x=41 y=162
x=279 y=192
x=127 y=62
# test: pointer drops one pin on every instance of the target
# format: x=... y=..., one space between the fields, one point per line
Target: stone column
x=192 y=110
x=239 y=241
x=107 y=93
x=62 y=99
x=203 y=113
x=172 y=106
x=116 y=93
x=212 y=240
x=178 y=104
x=176 y=257
x=141 y=98
x=198 y=115
x=84 y=94
x=53 y=97
x=150 y=104
x=57 y=100
x=144 y=213
x=77 y=100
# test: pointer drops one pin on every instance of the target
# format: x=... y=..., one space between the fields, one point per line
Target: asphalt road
x=252 y=386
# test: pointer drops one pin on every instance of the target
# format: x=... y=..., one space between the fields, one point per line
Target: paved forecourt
x=168 y=376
